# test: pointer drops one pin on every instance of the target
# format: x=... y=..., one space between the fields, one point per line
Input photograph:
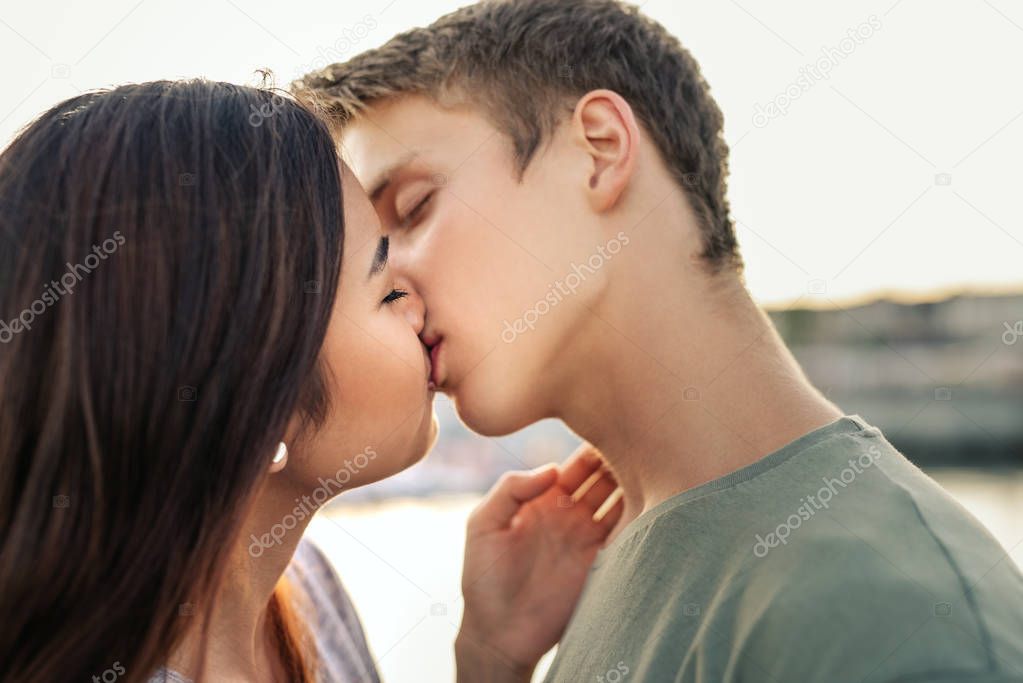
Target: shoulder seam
x=982 y=629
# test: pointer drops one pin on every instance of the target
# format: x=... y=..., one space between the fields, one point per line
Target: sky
x=875 y=145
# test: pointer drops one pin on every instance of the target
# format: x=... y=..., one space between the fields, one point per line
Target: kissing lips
x=429 y=369
x=434 y=346
x=436 y=374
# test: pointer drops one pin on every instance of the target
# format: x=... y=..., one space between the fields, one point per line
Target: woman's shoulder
x=331 y=616
x=311 y=571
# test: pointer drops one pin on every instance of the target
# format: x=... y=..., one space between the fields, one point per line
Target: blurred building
x=943 y=380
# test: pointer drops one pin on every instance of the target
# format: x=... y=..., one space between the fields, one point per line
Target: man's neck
x=683 y=380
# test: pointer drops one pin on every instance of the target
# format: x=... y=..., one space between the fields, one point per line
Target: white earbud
x=280 y=458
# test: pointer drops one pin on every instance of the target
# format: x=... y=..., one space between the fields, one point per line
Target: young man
x=552 y=175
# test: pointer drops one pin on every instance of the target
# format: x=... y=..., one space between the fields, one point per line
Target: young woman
x=192 y=365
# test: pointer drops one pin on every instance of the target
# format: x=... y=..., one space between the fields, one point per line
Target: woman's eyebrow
x=379 y=257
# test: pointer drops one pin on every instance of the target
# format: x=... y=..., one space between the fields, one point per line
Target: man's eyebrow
x=379 y=257
x=383 y=180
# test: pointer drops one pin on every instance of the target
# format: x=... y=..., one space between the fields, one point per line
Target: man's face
x=491 y=256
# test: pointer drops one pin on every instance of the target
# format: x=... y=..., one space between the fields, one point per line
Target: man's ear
x=606 y=128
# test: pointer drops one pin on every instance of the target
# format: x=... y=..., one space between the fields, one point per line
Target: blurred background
x=875 y=181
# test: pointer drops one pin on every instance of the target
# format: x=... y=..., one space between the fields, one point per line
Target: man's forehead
x=393 y=128
x=409 y=137
x=368 y=150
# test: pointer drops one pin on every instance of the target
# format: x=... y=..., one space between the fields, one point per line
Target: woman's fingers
x=510 y=493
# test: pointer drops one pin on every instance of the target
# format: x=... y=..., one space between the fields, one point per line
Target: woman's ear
x=606 y=127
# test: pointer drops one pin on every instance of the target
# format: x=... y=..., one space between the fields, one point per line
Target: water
x=401 y=562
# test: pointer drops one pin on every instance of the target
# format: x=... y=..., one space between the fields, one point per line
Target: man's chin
x=488 y=415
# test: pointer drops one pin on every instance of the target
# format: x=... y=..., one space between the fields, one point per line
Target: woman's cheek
x=405 y=358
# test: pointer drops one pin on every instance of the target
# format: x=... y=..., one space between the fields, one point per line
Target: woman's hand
x=529 y=547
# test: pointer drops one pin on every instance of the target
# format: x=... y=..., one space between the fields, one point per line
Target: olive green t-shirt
x=833 y=559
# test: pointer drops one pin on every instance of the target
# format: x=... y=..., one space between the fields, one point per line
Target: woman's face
x=377 y=371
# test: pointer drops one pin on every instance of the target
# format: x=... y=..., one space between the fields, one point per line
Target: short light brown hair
x=523 y=61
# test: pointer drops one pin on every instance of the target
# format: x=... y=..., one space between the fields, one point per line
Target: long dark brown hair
x=169 y=254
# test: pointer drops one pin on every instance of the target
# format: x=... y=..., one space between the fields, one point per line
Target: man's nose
x=400 y=257
x=414 y=308
x=399 y=262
